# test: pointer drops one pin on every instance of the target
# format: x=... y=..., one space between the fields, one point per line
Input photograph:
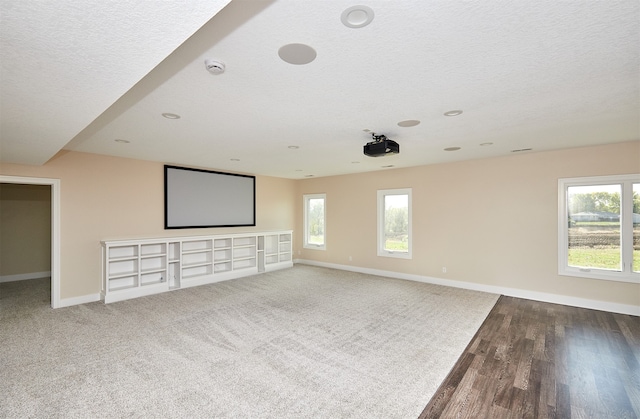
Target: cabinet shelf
x=123 y=259
x=123 y=274
x=151 y=271
x=195 y=265
x=193 y=252
x=153 y=255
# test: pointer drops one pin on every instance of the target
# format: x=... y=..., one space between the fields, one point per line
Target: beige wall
x=114 y=198
x=25 y=229
x=490 y=221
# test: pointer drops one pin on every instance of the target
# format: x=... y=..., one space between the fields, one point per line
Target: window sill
x=633 y=278
x=314 y=247
x=390 y=254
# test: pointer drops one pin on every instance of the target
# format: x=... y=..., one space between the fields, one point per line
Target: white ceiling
x=527 y=74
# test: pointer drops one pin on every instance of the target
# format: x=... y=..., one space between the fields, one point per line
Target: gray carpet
x=299 y=343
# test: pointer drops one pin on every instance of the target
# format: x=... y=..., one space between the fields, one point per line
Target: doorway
x=55 y=228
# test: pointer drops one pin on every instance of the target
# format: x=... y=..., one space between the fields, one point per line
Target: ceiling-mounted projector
x=381 y=146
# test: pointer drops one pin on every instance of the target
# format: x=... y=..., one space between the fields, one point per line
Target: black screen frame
x=167 y=200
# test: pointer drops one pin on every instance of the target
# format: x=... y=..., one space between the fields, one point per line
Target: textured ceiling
x=64 y=62
x=527 y=74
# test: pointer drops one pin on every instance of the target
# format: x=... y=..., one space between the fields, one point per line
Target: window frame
x=626 y=228
x=306 y=198
x=382 y=193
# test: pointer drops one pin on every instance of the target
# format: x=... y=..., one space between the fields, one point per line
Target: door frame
x=55 y=227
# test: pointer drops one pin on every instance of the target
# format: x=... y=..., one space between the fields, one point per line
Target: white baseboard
x=83 y=299
x=23 y=277
x=511 y=292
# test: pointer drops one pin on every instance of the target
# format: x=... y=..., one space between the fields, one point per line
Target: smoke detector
x=214 y=67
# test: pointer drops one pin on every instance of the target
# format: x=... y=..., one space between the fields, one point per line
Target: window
x=394 y=223
x=599 y=227
x=314 y=221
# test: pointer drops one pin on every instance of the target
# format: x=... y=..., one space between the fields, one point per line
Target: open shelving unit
x=135 y=268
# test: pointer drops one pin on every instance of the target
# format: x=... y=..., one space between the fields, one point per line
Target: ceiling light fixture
x=171 y=115
x=408 y=123
x=485 y=144
x=452 y=149
x=297 y=54
x=293 y=147
x=118 y=140
x=521 y=149
x=234 y=159
x=453 y=113
x=357 y=16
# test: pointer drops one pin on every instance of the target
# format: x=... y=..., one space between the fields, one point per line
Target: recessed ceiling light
x=118 y=140
x=355 y=162
x=485 y=144
x=293 y=147
x=408 y=123
x=357 y=16
x=521 y=149
x=234 y=159
x=453 y=113
x=387 y=166
x=308 y=175
x=171 y=115
x=298 y=54
x=452 y=149
x=298 y=170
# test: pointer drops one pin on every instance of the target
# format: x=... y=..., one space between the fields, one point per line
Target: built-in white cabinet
x=277 y=248
x=135 y=268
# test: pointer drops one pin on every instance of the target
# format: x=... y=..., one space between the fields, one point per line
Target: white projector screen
x=195 y=198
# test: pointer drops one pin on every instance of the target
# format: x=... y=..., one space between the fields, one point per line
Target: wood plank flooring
x=539 y=360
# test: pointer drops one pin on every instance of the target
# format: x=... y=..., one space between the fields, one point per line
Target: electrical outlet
x=444 y=270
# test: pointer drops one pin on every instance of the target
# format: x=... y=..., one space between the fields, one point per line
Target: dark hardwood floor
x=538 y=360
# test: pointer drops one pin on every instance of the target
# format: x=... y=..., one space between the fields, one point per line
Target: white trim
x=83 y=299
x=55 y=228
x=511 y=292
x=23 y=277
